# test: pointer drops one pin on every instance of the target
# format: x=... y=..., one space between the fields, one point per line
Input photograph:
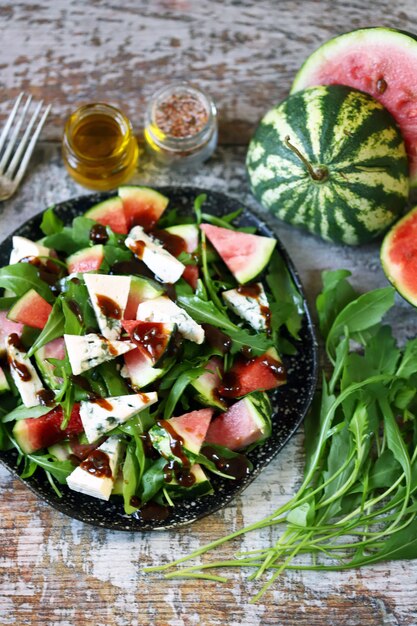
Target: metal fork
x=14 y=152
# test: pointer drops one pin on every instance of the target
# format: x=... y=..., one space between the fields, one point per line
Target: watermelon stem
x=319 y=173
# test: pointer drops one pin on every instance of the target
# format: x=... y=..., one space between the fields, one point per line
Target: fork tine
x=23 y=142
x=29 y=150
x=10 y=120
x=14 y=136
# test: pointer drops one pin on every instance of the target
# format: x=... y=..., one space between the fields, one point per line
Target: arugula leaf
x=152 y=480
x=179 y=387
x=22 y=412
x=286 y=302
x=7 y=302
x=51 y=223
x=58 y=469
x=205 y=312
x=336 y=294
x=53 y=328
x=21 y=277
x=70 y=239
x=360 y=314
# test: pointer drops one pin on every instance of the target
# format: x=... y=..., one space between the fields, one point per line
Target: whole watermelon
x=332 y=160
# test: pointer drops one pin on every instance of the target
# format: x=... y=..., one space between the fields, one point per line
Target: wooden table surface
x=57 y=571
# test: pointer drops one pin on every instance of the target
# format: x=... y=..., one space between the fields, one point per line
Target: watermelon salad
x=137 y=349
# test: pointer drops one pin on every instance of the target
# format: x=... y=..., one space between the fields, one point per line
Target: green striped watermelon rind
x=356 y=138
x=402 y=271
x=348 y=59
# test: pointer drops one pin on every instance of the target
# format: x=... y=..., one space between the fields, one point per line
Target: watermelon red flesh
x=35 y=433
x=150 y=337
x=192 y=428
x=87 y=260
x=380 y=61
x=262 y=372
x=142 y=206
x=190 y=274
x=244 y=254
x=235 y=429
x=7 y=327
x=54 y=349
x=31 y=309
x=110 y=213
x=399 y=256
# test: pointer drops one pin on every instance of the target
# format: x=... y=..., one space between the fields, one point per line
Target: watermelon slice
x=31 y=309
x=399 y=256
x=86 y=260
x=245 y=255
x=188 y=232
x=208 y=383
x=110 y=213
x=7 y=327
x=180 y=438
x=379 y=61
x=191 y=275
x=139 y=369
x=247 y=375
x=245 y=423
x=142 y=206
x=141 y=289
x=54 y=349
x=35 y=433
x=152 y=338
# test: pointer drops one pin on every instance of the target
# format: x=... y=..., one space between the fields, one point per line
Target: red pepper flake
x=181 y=115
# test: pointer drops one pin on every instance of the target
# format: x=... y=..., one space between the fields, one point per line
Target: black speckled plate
x=290 y=402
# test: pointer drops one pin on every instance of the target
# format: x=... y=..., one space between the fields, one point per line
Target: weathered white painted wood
x=58 y=571
x=245 y=53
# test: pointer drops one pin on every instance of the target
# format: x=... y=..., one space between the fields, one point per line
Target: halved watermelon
x=380 y=61
x=35 y=433
x=7 y=327
x=110 y=213
x=180 y=438
x=142 y=206
x=245 y=255
x=141 y=289
x=246 y=422
x=399 y=256
x=86 y=260
x=247 y=375
x=31 y=309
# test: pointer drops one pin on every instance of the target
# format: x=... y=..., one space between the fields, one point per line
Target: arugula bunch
x=357 y=503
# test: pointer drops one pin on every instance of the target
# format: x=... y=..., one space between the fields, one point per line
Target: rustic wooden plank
x=244 y=53
x=55 y=570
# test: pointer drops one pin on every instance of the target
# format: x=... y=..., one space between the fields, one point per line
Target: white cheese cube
x=89 y=477
x=87 y=351
x=250 y=303
x=162 y=309
x=105 y=414
x=23 y=248
x=108 y=296
x=23 y=373
x=163 y=264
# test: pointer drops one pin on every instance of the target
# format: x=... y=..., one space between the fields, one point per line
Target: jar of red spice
x=181 y=125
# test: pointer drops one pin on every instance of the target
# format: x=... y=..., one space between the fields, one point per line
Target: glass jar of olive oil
x=99 y=148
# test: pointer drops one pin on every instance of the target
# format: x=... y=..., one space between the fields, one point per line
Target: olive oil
x=99 y=148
